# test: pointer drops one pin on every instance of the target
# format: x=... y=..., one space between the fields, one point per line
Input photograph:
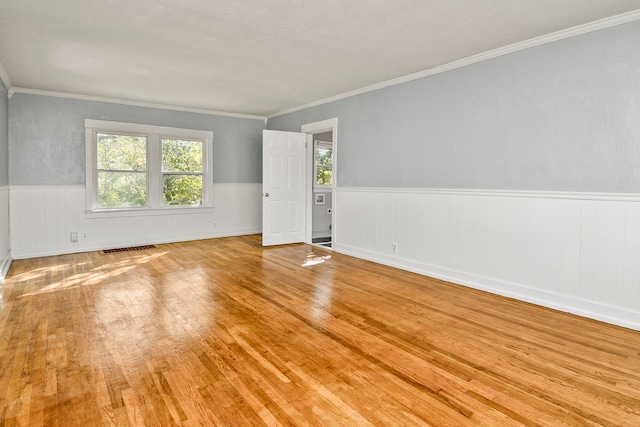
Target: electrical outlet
x=394 y=247
x=85 y=235
x=74 y=237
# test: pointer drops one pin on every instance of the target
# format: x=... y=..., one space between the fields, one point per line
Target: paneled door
x=284 y=175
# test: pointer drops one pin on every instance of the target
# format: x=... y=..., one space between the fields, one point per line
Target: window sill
x=326 y=189
x=136 y=212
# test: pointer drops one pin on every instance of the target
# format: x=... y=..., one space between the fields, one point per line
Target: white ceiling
x=260 y=57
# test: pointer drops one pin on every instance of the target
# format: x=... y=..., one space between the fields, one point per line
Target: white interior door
x=284 y=174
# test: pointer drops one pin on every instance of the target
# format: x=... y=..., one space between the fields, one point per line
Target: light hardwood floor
x=225 y=332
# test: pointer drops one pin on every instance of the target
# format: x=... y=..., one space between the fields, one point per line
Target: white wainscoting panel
x=576 y=252
x=5 y=237
x=42 y=218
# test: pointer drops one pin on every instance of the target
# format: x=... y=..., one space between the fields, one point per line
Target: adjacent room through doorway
x=322 y=178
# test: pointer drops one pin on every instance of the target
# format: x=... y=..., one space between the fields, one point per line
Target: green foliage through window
x=122 y=189
x=182 y=190
x=324 y=164
x=122 y=152
x=182 y=166
x=324 y=176
x=181 y=156
x=122 y=177
x=156 y=168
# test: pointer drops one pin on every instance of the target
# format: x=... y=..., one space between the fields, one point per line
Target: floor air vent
x=132 y=248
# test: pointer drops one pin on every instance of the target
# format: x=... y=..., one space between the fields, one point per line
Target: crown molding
x=130 y=103
x=515 y=47
x=5 y=78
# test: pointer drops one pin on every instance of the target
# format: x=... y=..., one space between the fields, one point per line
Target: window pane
x=179 y=155
x=183 y=189
x=122 y=189
x=323 y=157
x=121 y=152
x=323 y=176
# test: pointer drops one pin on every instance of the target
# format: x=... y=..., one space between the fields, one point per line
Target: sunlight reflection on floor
x=95 y=276
x=313 y=259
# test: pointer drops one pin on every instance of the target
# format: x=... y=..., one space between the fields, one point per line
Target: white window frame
x=154 y=134
x=321 y=144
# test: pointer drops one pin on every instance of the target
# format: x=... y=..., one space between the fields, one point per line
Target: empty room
x=307 y=213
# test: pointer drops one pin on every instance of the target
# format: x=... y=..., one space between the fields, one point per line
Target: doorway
x=288 y=196
x=322 y=140
x=322 y=188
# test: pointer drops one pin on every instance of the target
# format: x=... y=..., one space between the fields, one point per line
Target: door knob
x=266 y=194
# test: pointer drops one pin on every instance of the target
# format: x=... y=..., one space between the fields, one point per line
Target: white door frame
x=310 y=129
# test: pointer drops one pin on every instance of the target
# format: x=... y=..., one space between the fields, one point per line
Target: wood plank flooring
x=225 y=332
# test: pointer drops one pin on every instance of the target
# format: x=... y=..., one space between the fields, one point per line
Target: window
x=121 y=170
x=146 y=169
x=182 y=172
x=323 y=164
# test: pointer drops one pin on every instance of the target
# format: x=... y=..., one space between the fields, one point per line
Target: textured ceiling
x=260 y=57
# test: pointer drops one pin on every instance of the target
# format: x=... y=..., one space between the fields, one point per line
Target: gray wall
x=564 y=116
x=4 y=136
x=320 y=220
x=46 y=137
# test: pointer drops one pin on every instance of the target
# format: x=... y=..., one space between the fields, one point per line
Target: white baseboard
x=240 y=232
x=4 y=266
x=574 y=252
x=129 y=243
x=5 y=234
x=42 y=218
x=608 y=314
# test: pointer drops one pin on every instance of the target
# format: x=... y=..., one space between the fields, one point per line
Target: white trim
x=319 y=127
x=75 y=186
x=5 y=262
x=4 y=267
x=236 y=185
x=42 y=216
x=515 y=47
x=571 y=251
x=567 y=195
x=317 y=144
x=123 y=213
x=142 y=128
x=41 y=92
x=590 y=309
x=127 y=243
x=154 y=136
x=19 y=187
x=325 y=189
x=5 y=80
